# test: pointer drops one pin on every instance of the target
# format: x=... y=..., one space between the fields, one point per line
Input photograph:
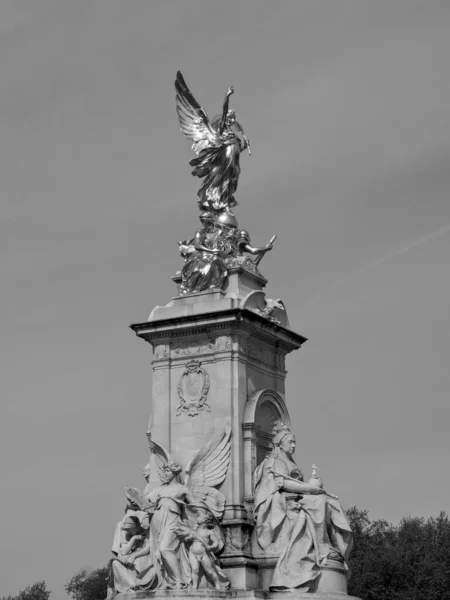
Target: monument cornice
x=232 y=320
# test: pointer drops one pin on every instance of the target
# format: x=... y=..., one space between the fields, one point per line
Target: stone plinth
x=218 y=361
x=333 y=578
x=232 y=595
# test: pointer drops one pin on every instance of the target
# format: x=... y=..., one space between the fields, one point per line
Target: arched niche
x=263 y=409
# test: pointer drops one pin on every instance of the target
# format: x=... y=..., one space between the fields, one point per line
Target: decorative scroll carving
x=162 y=351
x=248 y=264
x=219 y=344
x=193 y=388
x=237 y=539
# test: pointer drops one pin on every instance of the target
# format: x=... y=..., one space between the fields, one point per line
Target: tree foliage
x=408 y=561
x=37 y=591
x=86 y=585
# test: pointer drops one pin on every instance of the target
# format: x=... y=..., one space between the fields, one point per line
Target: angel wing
x=208 y=469
x=194 y=122
x=159 y=457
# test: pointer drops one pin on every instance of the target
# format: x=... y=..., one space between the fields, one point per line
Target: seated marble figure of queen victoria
x=320 y=530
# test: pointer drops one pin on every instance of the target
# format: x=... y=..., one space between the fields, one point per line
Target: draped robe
x=172 y=562
x=321 y=527
x=137 y=576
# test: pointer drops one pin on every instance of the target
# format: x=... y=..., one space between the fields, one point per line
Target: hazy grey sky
x=347 y=105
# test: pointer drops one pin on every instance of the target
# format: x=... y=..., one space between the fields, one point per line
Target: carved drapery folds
x=170 y=536
x=298 y=523
x=215 y=249
x=263 y=409
x=161 y=352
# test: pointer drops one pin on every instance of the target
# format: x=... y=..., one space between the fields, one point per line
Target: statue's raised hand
x=230 y=91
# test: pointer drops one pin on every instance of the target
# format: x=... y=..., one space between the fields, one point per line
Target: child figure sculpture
x=204 y=544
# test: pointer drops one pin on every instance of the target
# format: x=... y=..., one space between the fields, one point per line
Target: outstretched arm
x=298 y=487
x=129 y=546
x=225 y=109
x=252 y=250
x=258 y=251
x=295 y=486
x=142 y=552
x=215 y=544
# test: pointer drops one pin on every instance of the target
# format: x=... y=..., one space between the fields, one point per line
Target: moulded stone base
x=233 y=595
x=194 y=595
x=332 y=580
x=297 y=595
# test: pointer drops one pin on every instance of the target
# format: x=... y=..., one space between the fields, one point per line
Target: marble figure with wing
x=183 y=503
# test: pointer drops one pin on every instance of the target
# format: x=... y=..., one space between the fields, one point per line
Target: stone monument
x=225 y=511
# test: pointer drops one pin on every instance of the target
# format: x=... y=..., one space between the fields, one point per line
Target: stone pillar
x=219 y=360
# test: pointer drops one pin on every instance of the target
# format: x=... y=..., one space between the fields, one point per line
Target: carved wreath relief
x=193 y=388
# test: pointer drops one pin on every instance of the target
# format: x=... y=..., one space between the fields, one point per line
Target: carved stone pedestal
x=232 y=594
x=333 y=578
x=219 y=361
x=297 y=595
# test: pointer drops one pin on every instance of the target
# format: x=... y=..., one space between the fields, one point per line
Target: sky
x=347 y=106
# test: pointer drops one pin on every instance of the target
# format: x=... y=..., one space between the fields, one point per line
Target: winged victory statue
x=217 y=143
